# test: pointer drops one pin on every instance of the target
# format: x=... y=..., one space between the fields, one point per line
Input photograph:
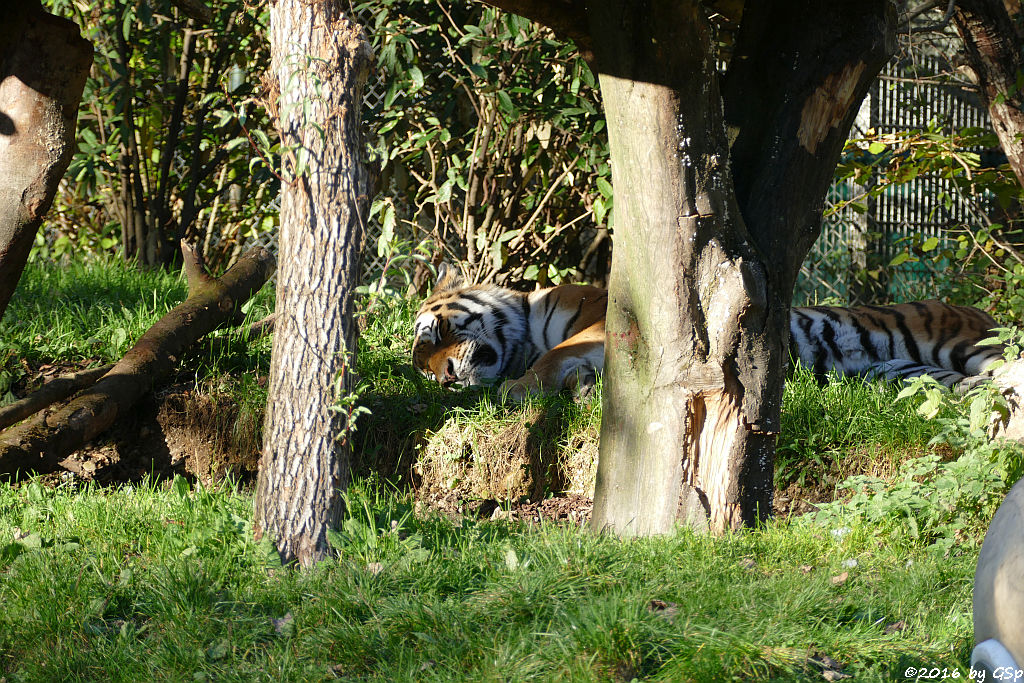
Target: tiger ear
x=448 y=277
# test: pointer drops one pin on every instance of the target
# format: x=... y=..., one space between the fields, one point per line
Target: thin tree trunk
x=994 y=53
x=320 y=61
x=44 y=62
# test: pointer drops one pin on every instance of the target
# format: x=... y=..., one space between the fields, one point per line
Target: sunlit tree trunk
x=716 y=208
x=44 y=62
x=320 y=61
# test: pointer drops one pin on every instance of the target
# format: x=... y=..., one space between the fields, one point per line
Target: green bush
x=942 y=502
x=491 y=140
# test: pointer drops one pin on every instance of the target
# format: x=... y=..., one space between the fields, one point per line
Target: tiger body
x=553 y=339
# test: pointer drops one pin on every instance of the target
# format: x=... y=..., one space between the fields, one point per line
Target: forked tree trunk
x=44 y=62
x=994 y=53
x=709 y=240
x=320 y=61
x=688 y=305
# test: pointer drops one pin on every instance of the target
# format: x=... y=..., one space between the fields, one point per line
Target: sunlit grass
x=163 y=582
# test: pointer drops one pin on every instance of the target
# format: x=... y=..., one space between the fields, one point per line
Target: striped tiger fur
x=553 y=339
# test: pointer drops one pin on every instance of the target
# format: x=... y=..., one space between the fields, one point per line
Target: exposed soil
x=529 y=469
x=177 y=430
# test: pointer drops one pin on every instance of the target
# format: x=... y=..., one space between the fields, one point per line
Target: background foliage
x=165 y=130
x=490 y=141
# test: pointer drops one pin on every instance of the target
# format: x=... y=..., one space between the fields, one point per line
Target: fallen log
x=57 y=389
x=38 y=445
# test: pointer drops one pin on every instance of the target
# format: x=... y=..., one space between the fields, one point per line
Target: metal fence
x=909 y=94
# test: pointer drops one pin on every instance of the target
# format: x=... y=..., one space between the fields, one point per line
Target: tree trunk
x=39 y=444
x=320 y=61
x=993 y=52
x=43 y=65
x=694 y=373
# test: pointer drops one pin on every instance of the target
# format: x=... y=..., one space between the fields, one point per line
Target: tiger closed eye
x=485 y=355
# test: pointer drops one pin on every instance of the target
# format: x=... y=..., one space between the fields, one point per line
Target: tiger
x=552 y=339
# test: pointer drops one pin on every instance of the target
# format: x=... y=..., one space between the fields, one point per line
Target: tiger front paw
x=519 y=390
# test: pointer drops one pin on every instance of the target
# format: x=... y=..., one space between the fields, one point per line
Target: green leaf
x=876 y=147
x=979 y=413
x=417 y=77
x=902 y=257
x=180 y=486
x=930 y=244
x=505 y=103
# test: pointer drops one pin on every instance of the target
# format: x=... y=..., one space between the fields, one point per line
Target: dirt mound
x=530 y=459
x=177 y=431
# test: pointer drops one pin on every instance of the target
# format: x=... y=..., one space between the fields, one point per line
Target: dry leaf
x=668 y=610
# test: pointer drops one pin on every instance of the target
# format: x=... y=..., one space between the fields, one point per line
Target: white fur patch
x=426 y=327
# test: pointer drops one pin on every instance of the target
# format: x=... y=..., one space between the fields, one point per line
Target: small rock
x=283 y=626
x=894 y=627
x=840 y=578
x=806 y=569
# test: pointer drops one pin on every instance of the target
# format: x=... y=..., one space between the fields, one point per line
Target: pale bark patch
x=826 y=107
x=715 y=423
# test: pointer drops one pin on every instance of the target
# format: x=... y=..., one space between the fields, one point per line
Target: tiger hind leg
x=899 y=369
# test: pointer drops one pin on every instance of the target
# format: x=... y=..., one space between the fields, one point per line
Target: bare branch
x=931 y=28
x=57 y=389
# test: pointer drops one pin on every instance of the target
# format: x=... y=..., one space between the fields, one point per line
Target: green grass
x=86 y=311
x=94 y=312
x=162 y=583
x=843 y=426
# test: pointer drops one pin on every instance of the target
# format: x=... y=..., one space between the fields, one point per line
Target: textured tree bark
x=43 y=65
x=673 y=423
x=694 y=373
x=320 y=61
x=57 y=389
x=993 y=52
x=39 y=444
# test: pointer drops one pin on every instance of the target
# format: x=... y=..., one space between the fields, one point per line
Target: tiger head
x=465 y=334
